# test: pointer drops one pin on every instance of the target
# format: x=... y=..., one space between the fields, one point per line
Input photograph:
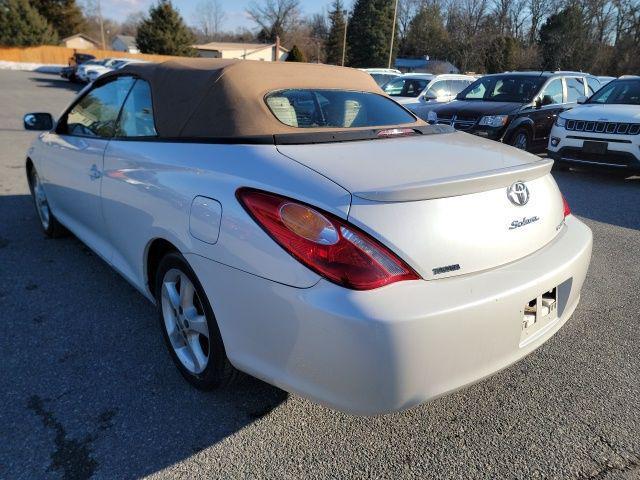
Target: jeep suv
x=604 y=131
x=518 y=108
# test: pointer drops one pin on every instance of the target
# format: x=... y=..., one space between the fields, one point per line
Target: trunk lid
x=440 y=201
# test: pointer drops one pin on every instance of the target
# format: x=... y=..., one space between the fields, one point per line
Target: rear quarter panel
x=148 y=189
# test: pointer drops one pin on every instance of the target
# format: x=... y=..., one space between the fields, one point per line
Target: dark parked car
x=77 y=59
x=518 y=108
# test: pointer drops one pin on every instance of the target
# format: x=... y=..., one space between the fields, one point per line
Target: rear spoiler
x=459 y=185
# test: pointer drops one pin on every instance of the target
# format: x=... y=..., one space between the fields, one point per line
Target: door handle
x=94 y=173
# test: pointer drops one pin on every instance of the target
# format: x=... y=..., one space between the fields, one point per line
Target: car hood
x=419 y=167
x=604 y=113
x=476 y=108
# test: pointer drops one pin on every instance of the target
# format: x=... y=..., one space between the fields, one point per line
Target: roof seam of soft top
x=204 y=95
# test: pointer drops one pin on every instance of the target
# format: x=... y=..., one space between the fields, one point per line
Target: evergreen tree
x=335 y=40
x=502 y=55
x=165 y=32
x=369 y=33
x=296 y=55
x=564 y=40
x=21 y=25
x=426 y=34
x=64 y=15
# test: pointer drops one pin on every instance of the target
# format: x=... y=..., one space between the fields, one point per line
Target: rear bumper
x=397 y=346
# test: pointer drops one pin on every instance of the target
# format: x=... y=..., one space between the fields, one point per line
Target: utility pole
x=344 y=38
x=393 y=31
x=104 y=45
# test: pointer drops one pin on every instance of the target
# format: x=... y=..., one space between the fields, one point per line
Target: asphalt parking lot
x=87 y=389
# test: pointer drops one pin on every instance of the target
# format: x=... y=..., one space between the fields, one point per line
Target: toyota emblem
x=518 y=194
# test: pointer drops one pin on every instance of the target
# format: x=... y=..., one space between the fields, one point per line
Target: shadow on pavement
x=56 y=82
x=88 y=378
x=602 y=196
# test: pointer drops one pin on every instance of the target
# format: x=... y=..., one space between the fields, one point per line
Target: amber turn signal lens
x=308 y=223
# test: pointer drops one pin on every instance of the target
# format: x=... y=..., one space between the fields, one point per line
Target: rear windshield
x=517 y=89
x=335 y=109
x=626 y=92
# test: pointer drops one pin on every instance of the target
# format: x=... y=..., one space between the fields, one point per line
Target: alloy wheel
x=42 y=205
x=185 y=321
x=521 y=141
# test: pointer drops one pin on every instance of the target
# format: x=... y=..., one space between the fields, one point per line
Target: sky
x=235 y=10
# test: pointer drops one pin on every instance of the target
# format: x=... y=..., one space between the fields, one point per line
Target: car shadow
x=56 y=82
x=89 y=378
x=603 y=196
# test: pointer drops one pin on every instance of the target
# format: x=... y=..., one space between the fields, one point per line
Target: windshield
x=625 y=92
x=516 y=88
x=335 y=108
x=406 y=87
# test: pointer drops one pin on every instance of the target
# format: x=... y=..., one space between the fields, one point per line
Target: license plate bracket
x=598 y=148
x=538 y=313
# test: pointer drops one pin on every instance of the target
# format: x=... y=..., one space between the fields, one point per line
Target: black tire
x=51 y=227
x=521 y=139
x=219 y=371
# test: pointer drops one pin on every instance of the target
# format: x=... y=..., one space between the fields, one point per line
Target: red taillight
x=326 y=244
x=565 y=204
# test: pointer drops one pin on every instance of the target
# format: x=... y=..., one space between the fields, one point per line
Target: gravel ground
x=87 y=389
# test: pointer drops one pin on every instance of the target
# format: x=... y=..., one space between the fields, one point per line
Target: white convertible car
x=293 y=222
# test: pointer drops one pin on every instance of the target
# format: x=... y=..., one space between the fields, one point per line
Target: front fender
x=515 y=125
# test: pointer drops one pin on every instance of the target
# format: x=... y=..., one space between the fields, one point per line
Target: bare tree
x=209 y=17
x=510 y=16
x=407 y=9
x=538 y=11
x=274 y=17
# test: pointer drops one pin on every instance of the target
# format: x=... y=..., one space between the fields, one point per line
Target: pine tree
x=21 y=25
x=335 y=40
x=165 y=32
x=564 y=40
x=369 y=33
x=426 y=34
x=64 y=15
x=502 y=54
x=296 y=55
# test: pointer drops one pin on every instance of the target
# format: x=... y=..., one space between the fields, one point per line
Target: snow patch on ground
x=31 y=67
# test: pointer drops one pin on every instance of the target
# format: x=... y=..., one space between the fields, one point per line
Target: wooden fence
x=53 y=55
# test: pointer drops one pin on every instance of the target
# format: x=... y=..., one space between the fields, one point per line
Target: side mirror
x=538 y=102
x=38 y=121
x=581 y=99
x=547 y=100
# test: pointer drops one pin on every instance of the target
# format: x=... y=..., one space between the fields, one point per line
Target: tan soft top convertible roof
x=219 y=98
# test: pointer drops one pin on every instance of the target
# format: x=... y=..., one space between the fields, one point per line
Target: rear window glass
x=335 y=109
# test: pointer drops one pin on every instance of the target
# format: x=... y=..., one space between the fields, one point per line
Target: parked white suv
x=604 y=130
x=420 y=92
x=94 y=72
x=382 y=75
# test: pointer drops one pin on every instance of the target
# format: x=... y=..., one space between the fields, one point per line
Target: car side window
x=438 y=89
x=575 y=88
x=96 y=113
x=552 y=93
x=136 y=118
